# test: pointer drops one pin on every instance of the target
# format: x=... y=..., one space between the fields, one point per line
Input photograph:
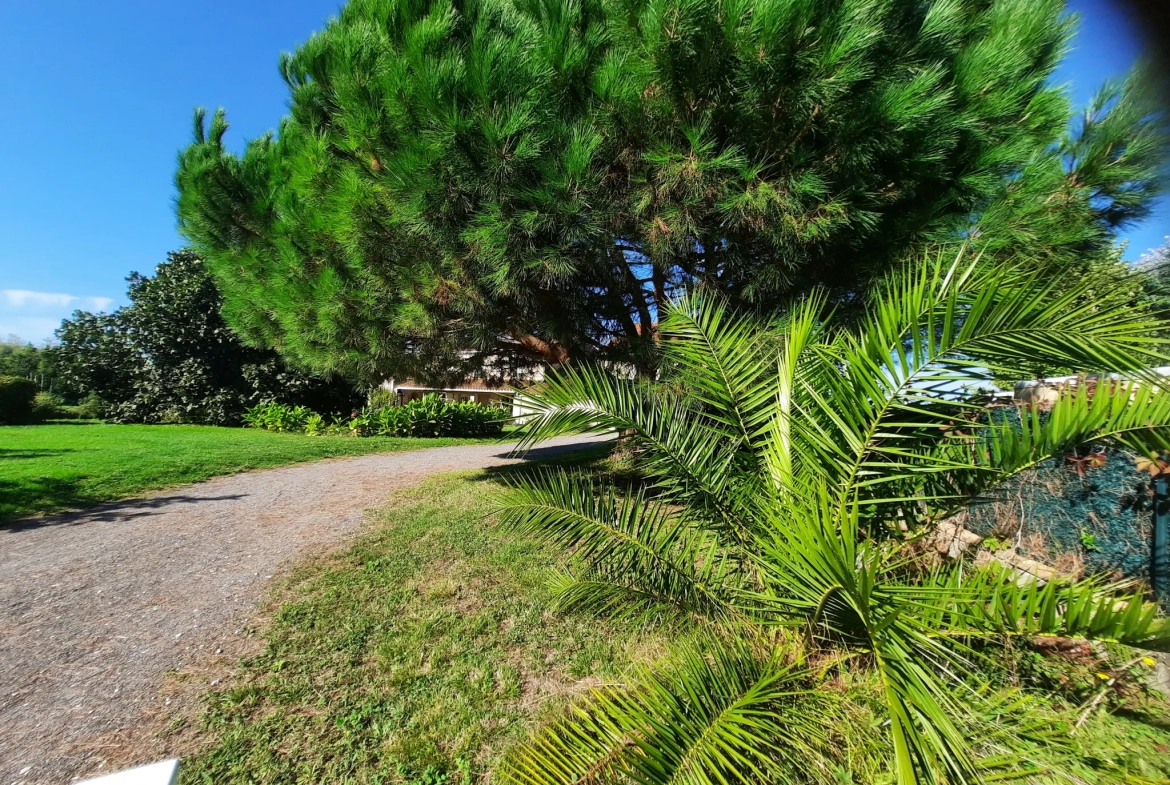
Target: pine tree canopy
x=534 y=178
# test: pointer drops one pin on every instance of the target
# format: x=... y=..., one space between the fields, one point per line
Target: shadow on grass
x=44 y=497
x=539 y=454
x=567 y=455
x=54 y=494
x=17 y=454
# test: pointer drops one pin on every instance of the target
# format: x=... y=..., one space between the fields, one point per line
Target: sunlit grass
x=415 y=656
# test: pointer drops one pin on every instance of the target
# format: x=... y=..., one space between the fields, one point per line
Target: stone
x=952 y=538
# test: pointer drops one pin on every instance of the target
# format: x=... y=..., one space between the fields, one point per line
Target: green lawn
x=45 y=468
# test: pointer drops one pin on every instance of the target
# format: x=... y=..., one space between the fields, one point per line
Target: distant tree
x=19 y=358
x=535 y=178
x=93 y=355
x=170 y=357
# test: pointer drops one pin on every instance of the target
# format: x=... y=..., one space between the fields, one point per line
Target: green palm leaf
x=638 y=557
x=715 y=715
x=787 y=465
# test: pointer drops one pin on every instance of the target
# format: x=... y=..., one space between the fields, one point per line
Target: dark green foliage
x=94 y=354
x=170 y=357
x=535 y=178
x=18 y=358
x=17 y=397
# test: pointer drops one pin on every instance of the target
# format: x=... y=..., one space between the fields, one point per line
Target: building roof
x=467 y=385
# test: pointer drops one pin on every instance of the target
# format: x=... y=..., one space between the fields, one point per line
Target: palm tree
x=792 y=471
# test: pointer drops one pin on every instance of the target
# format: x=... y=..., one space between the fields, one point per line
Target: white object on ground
x=165 y=772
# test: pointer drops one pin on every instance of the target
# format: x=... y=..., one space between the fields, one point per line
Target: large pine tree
x=532 y=178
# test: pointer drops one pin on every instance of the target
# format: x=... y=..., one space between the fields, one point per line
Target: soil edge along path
x=97 y=606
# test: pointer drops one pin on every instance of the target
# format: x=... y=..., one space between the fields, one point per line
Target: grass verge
x=413 y=657
x=47 y=468
x=419 y=654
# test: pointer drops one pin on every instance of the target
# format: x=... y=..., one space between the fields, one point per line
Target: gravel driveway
x=96 y=607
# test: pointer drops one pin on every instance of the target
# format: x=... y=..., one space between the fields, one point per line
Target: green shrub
x=91 y=407
x=429 y=416
x=315 y=424
x=17 y=399
x=47 y=406
x=280 y=417
x=473 y=419
x=381 y=397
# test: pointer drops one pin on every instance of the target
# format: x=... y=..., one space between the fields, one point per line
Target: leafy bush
x=91 y=407
x=17 y=399
x=315 y=424
x=381 y=397
x=428 y=416
x=791 y=472
x=280 y=417
x=47 y=406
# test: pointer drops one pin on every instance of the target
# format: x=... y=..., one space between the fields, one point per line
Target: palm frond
x=691 y=459
x=639 y=556
x=904 y=375
x=727 y=361
x=994 y=599
x=786 y=464
x=945 y=471
x=716 y=715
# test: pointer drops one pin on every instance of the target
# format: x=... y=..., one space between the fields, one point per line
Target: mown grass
x=413 y=657
x=421 y=653
x=46 y=468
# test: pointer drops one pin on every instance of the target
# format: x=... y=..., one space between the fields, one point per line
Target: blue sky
x=99 y=99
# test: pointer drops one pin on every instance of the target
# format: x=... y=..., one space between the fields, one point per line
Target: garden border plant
x=429 y=416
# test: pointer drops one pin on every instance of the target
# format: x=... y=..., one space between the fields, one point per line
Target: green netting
x=1076 y=512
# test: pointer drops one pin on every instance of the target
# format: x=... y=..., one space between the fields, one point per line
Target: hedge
x=17 y=399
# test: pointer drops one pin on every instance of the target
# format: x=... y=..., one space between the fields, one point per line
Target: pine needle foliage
x=793 y=470
x=536 y=179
